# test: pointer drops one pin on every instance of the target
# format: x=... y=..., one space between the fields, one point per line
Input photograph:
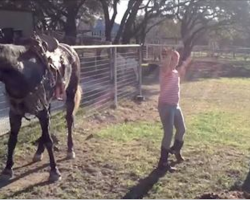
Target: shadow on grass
x=27 y=189
x=145 y=185
x=246 y=184
x=242 y=187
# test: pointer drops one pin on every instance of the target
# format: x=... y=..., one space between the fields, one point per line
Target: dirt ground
x=225 y=195
x=104 y=179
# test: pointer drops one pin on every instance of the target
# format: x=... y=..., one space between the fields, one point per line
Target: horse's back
x=70 y=51
x=75 y=61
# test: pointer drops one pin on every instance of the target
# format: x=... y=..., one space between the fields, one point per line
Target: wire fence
x=233 y=53
x=109 y=74
x=152 y=52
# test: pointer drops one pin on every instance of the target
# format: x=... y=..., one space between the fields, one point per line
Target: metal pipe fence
x=152 y=52
x=109 y=74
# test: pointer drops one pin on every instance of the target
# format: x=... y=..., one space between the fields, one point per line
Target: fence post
x=111 y=64
x=146 y=52
x=140 y=70
x=115 y=76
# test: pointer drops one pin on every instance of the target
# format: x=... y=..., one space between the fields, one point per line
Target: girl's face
x=166 y=52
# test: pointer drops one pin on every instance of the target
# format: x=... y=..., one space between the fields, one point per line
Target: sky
x=121 y=8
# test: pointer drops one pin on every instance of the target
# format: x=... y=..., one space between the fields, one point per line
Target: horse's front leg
x=15 y=124
x=44 y=119
x=39 y=152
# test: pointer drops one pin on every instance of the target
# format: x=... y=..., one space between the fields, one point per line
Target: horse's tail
x=78 y=97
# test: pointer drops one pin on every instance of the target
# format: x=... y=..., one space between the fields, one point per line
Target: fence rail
x=152 y=52
x=109 y=74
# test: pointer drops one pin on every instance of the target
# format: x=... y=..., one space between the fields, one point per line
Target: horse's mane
x=11 y=50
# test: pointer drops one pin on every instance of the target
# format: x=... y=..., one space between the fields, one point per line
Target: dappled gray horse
x=32 y=72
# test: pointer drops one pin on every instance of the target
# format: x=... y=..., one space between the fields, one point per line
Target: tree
x=199 y=16
x=154 y=12
x=109 y=20
x=137 y=16
x=66 y=14
x=169 y=28
x=58 y=14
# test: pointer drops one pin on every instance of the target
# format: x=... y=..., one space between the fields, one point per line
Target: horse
x=30 y=85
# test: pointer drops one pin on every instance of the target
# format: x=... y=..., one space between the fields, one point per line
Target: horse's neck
x=20 y=79
x=15 y=84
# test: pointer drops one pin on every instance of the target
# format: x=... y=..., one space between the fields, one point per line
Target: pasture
x=117 y=150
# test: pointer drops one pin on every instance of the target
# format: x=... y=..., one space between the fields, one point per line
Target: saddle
x=50 y=43
x=45 y=47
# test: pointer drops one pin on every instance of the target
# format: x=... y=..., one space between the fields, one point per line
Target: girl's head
x=173 y=55
x=165 y=52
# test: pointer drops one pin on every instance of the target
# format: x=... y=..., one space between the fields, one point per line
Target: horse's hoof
x=71 y=155
x=55 y=176
x=6 y=174
x=37 y=157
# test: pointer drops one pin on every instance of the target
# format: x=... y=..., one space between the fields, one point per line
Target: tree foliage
x=200 y=16
x=195 y=17
x=139 y=17
x=58 y=14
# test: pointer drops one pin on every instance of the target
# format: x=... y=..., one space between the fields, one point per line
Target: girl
x=169 y=108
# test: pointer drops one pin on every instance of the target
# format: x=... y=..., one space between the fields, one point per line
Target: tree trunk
x=123 y=22
x=70 y=29
x=186 y=51
x=126 y=38
x=70 y=25
x=108 y=26
x=108 y=33
x=109 y=23
x=127 y=34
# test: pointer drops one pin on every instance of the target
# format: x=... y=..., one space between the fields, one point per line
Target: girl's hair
x=175 y=56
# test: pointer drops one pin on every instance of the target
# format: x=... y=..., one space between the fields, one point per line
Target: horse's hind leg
x=73 y=93
x=70 y=104
x=15 y=124
x=44 y=119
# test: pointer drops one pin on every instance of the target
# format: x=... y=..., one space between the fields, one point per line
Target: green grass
x=216 y=144
x=131 y=131
x=215 y=147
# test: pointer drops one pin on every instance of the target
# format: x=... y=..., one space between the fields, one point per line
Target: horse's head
x=20 y=69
